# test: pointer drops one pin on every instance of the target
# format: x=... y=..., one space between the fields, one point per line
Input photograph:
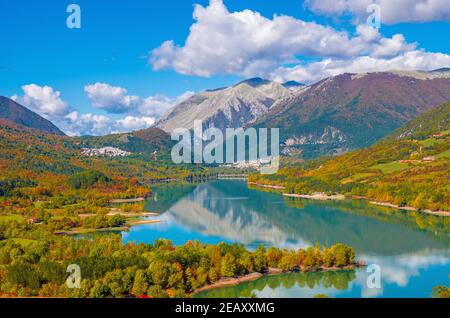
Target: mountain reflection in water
x=406 y=245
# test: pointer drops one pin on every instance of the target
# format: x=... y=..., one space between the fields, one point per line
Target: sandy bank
x=118 y=201
x=226 y=282
x=411 y=209
x=268 y=186
x=121 y=213
x=78 y=231
x=316 y=196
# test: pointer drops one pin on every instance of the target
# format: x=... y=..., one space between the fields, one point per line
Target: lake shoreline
x=409 y=208
x=267 y=186
x=81 y=231
x=120 y=213
x=235 y=281
x=340 y=197
x=316 y=196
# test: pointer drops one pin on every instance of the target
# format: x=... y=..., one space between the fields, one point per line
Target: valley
x=155 y=155
x=331 y=117
x=408 y=168
x=119 y=205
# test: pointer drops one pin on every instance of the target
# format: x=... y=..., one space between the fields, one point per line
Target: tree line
x=33 y=262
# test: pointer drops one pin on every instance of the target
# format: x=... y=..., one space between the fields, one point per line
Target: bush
x=24 y=276
x=87 y=179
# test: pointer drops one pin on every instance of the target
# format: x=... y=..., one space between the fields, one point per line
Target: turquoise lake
x=412 y=250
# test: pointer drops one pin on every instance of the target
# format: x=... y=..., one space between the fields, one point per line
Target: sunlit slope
x=409 y=168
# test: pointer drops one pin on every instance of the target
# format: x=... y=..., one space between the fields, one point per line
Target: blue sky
x=114 y=48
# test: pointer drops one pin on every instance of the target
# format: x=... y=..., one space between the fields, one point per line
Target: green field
x=391 y=167
x=23 y=242
x=430 y=142
x=445 y=154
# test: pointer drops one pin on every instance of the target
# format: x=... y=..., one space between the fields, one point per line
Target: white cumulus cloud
x=116 y=100
x=156 y=106
x=110 y=98
x=43 y=100
x=76 y=124
x=248 y=44
x=138 y=113
x=131 y=123
x=414 y=60
x=392 y=11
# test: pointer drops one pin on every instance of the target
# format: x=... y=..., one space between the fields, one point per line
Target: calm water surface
x=412 y=250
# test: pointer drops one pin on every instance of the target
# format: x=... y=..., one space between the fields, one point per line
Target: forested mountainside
x=409 y=168
x=31 y=153
x=335 y=115
x=16 y=113
x=352 y=111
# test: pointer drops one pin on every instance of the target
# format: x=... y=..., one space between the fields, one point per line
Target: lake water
x=412 y=250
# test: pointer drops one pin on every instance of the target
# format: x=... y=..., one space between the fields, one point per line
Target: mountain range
x=409 y=167
x=31 y=153
x=333 y=116
x=230 y=107
x=18 y=117
x=351 y=111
